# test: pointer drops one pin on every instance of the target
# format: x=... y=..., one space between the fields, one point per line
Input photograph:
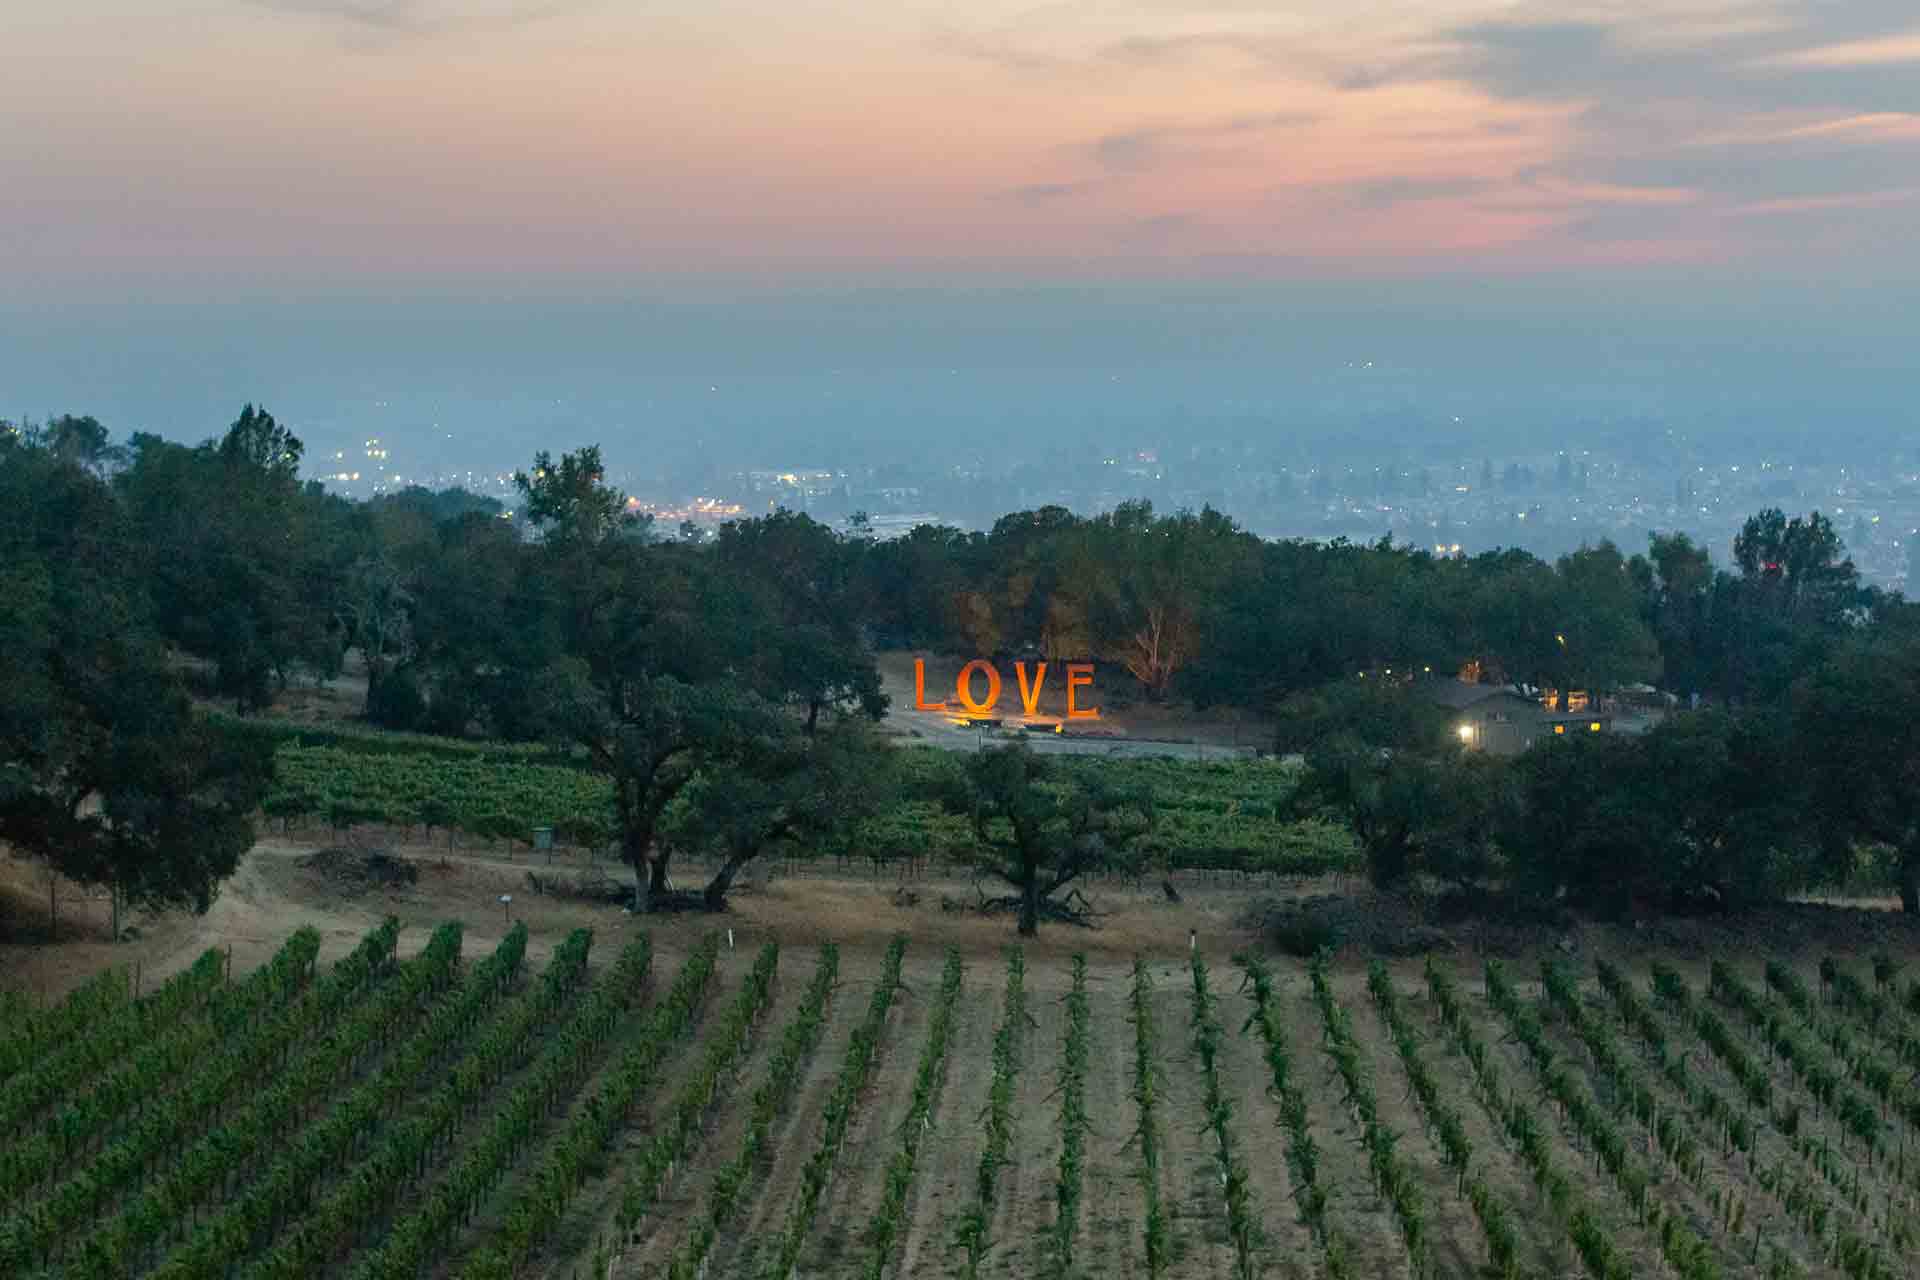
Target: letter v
x=1030 y=698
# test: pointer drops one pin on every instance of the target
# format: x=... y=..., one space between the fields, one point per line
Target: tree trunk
x=1910 y=882
x=1030 y=905
x=658 y=886
x=634 y=842
x=716 y=892
x=813 y=715
x=376 y=672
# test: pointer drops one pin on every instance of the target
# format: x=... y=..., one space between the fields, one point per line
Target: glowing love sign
x=1079 y=674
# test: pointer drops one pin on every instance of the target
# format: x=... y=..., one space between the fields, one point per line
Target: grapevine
x=1146 y=1078
x=398 y=1158
x=1754 y=1079
x=1503 y=1246
x=1073 y=1125
x=570 y=1053
x=1797 y=1049
x=280 y=1193
x=1303 y=1154
x=1670 y=1132
x=1207 y=1036
x=1685 y=1251
x=31 y=1033
x=1644 y=1023
x=862 y=1053
x=1802 y=1202
x=160 y=1130
x=972 y=1233
x=770 y=1101
x=188 y=1046
x=1881 y=1014
x=544 y=1197
x=1881 y=1078
x=928 y=1076
x=689 y=1111
x=1523 y=1128
x=1391 y=1177
x=105 y=1041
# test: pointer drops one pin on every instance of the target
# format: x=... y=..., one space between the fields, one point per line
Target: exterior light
x=1466 y=733
x=1595 y=726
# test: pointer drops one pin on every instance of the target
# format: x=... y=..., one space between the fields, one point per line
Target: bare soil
x=282 y=885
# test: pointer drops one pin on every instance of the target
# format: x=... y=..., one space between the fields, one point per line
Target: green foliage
x=498 y=1035
x=772 y=1100
x=1392 y=1178
x=1595 y=1246
x=1669 y=1130
x=418 y=1028
x=106 y=1040
x=1229 y=816
x=1703 y=811
x=1456 y=1149
x=1070 y=1177
x=1859 y=741
x=403 y=788
x=1366 y=712
x=889 y=1219
x=1731 y=1120
x=572 y=1048
x=1415 y=814
x=1207 y=1037
x=1303 y=1154
x=1039 y=839
x=691 y=1106
x=1684 y=1250
x=266 y=1032
x=571 y=1154
x=31 y=1032
x=971 y=1234
x=1146 y=1094
x=106 y=775
x=855 y=1070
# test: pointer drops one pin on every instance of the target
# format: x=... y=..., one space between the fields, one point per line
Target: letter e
x=1079 y=673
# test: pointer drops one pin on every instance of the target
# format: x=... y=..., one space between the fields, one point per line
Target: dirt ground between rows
x=274 y=892
x=281 y=886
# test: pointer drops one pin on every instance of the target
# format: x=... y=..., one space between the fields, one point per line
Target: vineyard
x=585 y=1107
x=1223 y=816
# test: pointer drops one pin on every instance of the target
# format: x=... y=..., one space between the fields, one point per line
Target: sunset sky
x=206 y=148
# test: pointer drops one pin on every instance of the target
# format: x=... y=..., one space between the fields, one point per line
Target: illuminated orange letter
x=1030 y=698
x=963 y=687
x=920 y=702
x=1079 y=673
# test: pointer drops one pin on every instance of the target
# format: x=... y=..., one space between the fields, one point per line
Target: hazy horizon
x=796 y=234
x=876 y=366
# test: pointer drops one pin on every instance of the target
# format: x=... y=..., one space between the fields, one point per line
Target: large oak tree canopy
x=670 y=667
x=106 y=773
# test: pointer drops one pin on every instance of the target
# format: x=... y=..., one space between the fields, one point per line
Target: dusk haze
x=1016 y=640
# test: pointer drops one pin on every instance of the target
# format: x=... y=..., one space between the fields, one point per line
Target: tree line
x=726 y=684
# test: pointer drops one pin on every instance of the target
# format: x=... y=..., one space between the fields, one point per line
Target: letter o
x=963 y=687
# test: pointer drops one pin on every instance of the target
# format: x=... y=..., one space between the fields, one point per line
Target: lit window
x=1595 y=726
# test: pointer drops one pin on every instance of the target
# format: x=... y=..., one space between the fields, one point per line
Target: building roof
x=1460 y=694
